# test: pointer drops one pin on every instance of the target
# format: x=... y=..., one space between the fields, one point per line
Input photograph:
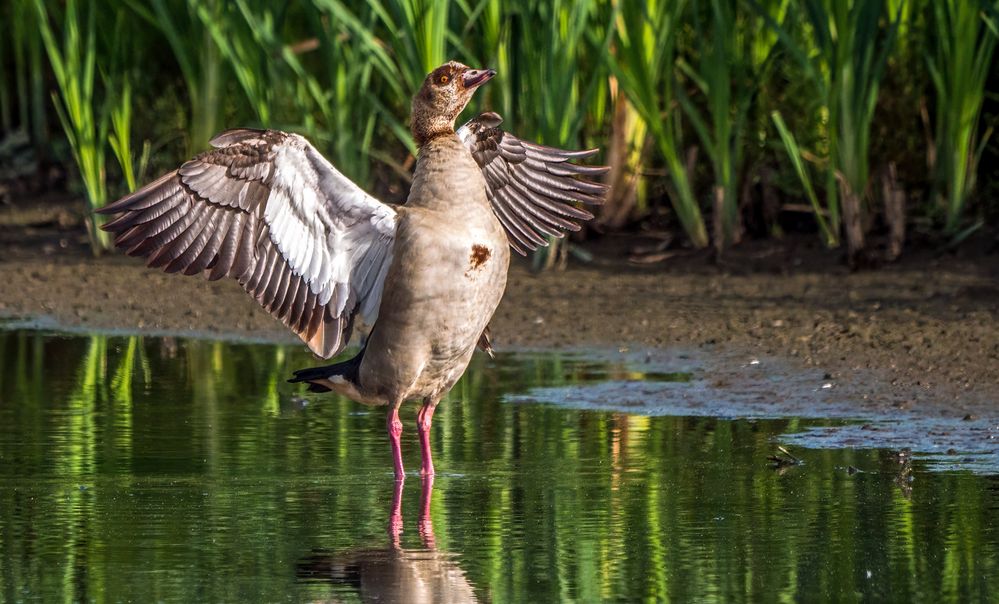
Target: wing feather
x=521 y=230
x=160 y=244
x=265 y=208
x=187 y=247
x=533 y=189
x=213 y=244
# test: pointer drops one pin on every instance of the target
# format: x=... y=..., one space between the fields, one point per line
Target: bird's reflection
x=396 y=574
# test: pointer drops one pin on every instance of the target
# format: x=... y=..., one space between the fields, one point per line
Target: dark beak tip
x=478 y=77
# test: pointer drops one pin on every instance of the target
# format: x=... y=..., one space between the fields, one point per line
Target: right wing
x=265 y=208
x=533 y=189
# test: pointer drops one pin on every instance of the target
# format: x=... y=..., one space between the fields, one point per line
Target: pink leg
x=424 y=419
x=395 y=431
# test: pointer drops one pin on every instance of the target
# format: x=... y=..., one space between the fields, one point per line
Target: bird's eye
x=442 y=80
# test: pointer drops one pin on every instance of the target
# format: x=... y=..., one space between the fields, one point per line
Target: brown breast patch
x=480 y=255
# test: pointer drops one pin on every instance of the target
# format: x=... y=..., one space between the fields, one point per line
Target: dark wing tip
x=123 y=204
x=580 y=154
x=571 y=170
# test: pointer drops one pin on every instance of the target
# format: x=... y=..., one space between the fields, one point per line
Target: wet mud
x=919 y=334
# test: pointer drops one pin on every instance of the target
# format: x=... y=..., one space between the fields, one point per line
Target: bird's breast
x=446 y=280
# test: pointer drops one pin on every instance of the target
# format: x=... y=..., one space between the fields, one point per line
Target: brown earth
x=922 y=332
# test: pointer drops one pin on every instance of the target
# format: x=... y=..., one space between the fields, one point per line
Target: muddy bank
x=920 y=332
x=828 y=413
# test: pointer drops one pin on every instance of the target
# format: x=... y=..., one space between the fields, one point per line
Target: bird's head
x=444 y=94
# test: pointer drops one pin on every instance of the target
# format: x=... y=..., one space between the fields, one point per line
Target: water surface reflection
x=395 y=573
x=173 y=470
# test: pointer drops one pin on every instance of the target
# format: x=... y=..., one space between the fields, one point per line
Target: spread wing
x=265 y=208
x=532 y=188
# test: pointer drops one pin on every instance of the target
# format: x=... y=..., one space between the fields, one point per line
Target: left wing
x=532 y=188
x=263 y=207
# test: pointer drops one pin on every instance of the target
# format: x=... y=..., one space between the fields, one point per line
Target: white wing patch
x=310 y=198
x=265 y=208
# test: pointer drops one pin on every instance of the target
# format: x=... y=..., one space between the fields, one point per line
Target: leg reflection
x=426 y=523
x=394 y=573
x=395 y=514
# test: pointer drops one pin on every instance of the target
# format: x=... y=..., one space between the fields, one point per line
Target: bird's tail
x=316 y=376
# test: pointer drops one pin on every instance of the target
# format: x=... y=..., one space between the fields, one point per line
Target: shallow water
x=155 y=469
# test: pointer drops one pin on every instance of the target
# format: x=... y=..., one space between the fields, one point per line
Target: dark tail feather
x=348 y=369
x=314 y=373
x=485 y=344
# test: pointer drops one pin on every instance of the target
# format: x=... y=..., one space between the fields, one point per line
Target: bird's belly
x=439 y=298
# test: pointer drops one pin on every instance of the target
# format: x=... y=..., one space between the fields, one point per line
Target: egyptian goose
x=263 y=207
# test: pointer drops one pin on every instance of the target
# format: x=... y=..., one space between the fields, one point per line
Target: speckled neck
x=427 y=129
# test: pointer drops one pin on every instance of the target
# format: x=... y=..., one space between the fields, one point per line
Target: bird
x=265 y=208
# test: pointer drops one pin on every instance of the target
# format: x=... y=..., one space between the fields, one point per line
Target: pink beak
x=473 y=78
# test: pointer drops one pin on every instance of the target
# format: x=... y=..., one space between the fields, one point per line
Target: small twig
x=788 y=453
x=780 y=462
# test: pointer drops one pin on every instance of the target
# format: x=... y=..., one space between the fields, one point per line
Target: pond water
x=160 y=469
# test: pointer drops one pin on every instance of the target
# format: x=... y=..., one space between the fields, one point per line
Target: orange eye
x=442 y=80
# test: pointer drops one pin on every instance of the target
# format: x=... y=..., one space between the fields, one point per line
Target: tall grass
x=342 y=73
x=421 y=31
x=488 y=22
x=731 y=60
x=28 y=72
x=681 y=88
x=404 y=40
x=118 y=78
x=829 y=234
x=120 y=137
x=246 y=37
x=552 y=89
x=626 y=155
x=959 y=58
x=73 y=60
x=846 y=66
x=198 y=57
x=643 y=62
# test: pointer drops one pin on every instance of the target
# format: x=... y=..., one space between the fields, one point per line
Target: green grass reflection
x=172 y=470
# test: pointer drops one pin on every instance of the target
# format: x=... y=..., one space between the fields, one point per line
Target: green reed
x=73 y=61
x=405 y=40
x=959 y=58
x=829 y=235
x=844 y=59
x=28 y=72
x=650 y=82
x=643 y=62
x=339 y=73
x=247 y=40
x=731 y=60
x=198 y=58
x=488 y=22
x=552 y=88
x=119 y=78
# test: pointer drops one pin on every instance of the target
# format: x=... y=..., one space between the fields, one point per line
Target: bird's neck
x=446 y=173
x=427 y=129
